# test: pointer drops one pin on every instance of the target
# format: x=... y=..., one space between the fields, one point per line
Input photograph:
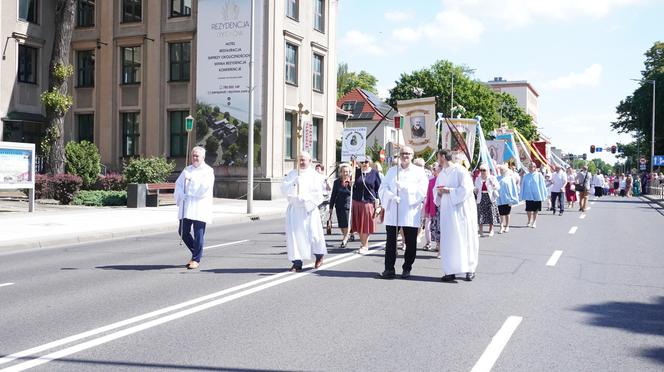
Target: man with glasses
x=402 y=191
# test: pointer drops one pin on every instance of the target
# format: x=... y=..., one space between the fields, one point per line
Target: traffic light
x=584 y=156
x=613 y=149
x=592 y=149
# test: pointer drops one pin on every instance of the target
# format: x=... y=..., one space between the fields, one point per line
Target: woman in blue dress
x=533 y=191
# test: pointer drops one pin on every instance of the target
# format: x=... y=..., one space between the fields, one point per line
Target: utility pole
x=250 y=145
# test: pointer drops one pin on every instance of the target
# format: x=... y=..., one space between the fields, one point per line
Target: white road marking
x=582 y=216
x=554 y=258
x=272 y=280
x=592 y=202
x=573 y=229
x=6 y=284
x=225 y=244
x=497 y=344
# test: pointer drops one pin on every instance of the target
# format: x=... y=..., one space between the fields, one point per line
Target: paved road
x=129 y=305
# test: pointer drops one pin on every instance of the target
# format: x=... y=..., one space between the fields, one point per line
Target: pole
x=452 y=98
x=344 y=241
x=652 y=143
x=299 y=113
x=250 y=145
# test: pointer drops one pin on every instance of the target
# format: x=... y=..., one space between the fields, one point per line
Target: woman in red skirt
x=570 y=189
x=365 y=193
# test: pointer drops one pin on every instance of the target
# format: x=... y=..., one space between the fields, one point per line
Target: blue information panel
x=658 y=160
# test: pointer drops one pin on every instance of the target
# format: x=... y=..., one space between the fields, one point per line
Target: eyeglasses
x=406 y=153
x=483 y=170
x=364 y=162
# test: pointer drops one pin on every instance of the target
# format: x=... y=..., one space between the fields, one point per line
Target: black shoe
x=448 y=278
x=405 y=274
x=295 y=269
x=470 y=277
x=554 y=211
x=387 y=275
x=560 y=214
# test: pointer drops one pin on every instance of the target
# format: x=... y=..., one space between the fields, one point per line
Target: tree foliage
x=348 y=80
x=635 y=111
x=148 y=170
x=83 y=160
x=477 y=98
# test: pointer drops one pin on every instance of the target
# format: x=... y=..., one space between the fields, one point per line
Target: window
x=131 y=65
x=28 y=10
x=291 y=63
x=85 y=68
x=288 y=135
x=85 y=13
x=131 y=11
x=86 y=127
x=292 y=9
x=180 y=8
x=318 y=73
x=130 y=133
x=179 y=57
x=178 y=133
x=317 y=124
x=348 y=106
x=27 y=64
x=319 y=15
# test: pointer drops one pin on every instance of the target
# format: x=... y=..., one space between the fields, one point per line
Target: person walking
x=533 y=191
x=622 y=185
x=558 y=184
x=193 y=196
x=365 y=197
x=570 y=188
x=628 y=185
x=403 y=191
x=340 y=200
x=507 y=197
x=431 y=224
x=637 y=186
x=598 y=184
x=583 y=178
x=459 y=243
x=304 y=231
x=486 y=191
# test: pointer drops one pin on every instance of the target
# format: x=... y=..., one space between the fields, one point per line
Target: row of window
x=290 y=136
x=293 y=12
x=132 y=11
x=179 y=58
x=130 y=131
x=291 y=65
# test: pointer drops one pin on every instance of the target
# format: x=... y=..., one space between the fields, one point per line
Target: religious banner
x=419 y=129
x=496 y=150
x=462 y=129
x=223 y=60
x=308 y=136
x=354 y=143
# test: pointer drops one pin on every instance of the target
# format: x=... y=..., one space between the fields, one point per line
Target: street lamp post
x=652 y=133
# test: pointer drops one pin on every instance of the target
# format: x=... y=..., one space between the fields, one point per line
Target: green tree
x=83 y=160
x=635 y=110
x=476 y=98
x=348 y=80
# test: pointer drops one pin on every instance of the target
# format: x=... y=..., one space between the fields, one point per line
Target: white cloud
x=362 y=42
x=521 y=12
x=399 y=16
x=589 y=77
x=448 y=27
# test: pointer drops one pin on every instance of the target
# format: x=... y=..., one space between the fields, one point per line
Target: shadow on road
x=256 y=270
x=635 y=317
x=139 y=267
x=370 y=275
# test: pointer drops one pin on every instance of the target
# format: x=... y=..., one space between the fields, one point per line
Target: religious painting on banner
x=223 y=56
x=420 y=130
x=466 y=129
x=496 y=150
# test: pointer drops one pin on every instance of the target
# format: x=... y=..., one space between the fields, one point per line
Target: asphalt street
x=581 y=292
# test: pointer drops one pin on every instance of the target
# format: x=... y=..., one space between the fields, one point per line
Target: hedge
x=101 y=198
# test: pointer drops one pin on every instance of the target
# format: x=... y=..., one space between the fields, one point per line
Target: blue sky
x=578 y=54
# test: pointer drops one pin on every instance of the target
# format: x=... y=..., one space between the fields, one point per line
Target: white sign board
x=17 y=168
x=354 y=143
x=308 y=137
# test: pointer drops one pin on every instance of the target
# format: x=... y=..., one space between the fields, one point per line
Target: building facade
x=526 y=96
x=134 y=81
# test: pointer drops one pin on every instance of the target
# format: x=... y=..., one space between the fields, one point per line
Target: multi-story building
x=135 y=81
x=526 y=96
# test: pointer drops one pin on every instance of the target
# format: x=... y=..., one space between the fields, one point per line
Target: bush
x=110 y=182
x=65 y=187
x=100 y=198
x=149 y=170
x=83 y=160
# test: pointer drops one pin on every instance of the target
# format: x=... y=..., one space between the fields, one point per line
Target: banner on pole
x=308 y=136
x=496 y=150
x=419 y=123
x=467 y=129
x=354 y=143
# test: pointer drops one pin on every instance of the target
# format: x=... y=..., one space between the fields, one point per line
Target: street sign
x=189 y=123
x=598 y=149
x=642 y=160
x=642 y=167
x=658 y=160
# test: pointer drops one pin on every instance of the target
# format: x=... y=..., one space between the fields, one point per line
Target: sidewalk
x=52 y=225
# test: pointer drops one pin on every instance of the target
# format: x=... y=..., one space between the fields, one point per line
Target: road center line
x=573 y=229
x=272 y=280
x=6 y=284
x=554 y=258
x=582 y=216
x=225 y=244
x=497 y=344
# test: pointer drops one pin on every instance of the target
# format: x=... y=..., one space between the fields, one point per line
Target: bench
x=153 y=191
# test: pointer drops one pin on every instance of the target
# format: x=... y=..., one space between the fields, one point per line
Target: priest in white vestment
x=459 y=243
x=402 y=194
x=304 y=230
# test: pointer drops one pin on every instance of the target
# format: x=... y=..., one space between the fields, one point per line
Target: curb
x=106 y=235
